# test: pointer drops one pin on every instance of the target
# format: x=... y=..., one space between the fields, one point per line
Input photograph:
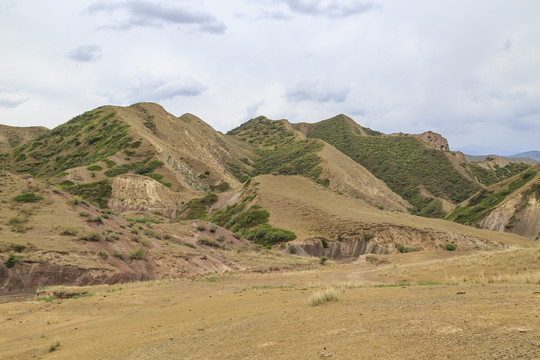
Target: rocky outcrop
x=339 y=250
x=434 y=140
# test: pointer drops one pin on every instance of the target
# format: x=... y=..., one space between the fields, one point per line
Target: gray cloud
x=158 y=90
x=87 y=53
x=9 y=100
x=317 y=92
x=149 y=14
x=330 y=8
x=507 y=45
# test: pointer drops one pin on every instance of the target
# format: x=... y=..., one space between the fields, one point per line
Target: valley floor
x=462 y=312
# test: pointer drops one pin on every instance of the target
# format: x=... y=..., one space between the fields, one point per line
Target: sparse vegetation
x=53 y=346
x=321 y=297
x=208 y=242
x=91 y=235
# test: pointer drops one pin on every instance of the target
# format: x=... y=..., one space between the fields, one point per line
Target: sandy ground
x=269 y=316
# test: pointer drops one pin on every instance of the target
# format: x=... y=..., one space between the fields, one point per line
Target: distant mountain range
x=532 y=157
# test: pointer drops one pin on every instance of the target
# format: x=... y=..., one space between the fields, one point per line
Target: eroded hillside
x=511 y=206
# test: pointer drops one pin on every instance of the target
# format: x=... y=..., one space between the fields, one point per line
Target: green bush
x=268 y=235
x=17 y=247
x=95 y=168
x=324 y=259
x=12 y=260
x=27 y=198
x=137 y=253
x=324 y=243
x=402 y=248
x=451 y=247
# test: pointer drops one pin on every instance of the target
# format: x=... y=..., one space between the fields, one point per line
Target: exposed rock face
x=25 y=278
x=382 y=239
x=434 y=140
x=140 y=193
x=347 y=249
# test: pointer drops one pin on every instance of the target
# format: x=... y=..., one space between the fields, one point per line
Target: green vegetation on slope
x=404 y=163
x=97 y=193
x=278 y=150
x=490 y=177
x=84 y=140
x=481 y=204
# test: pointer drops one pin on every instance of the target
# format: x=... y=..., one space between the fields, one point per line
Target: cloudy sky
x=468 y=69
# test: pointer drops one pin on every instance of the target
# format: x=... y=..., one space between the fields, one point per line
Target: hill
x=510 y=206
x=12 y=136
x=528 y=157
x=134 y=193
x=535 y=155
x=420 y=167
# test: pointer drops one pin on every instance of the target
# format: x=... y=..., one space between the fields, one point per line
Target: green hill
x=406 y=164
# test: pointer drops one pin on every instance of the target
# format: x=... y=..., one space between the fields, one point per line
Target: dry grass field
x=428 y=305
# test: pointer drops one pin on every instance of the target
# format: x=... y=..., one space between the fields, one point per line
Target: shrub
x=91 y=236
x=201 y=227
x=224 y=186
x=27 y=198
x=119 y=255
x=321 y=297
x=213 y=228
x=402 y=248
x=54 y=346
x=69 y=231
x=17 y=247
x=76 y=200
x=17 y=220
x=292 y=249
x=12 y=260
x=268 y=235
x=137 y=253
x=221 y=238
x=208 y=242
x=368 y=236
x=324 y=259
x=95 y=168
x=103 y=254
x=97 y=220
x=451 y=247
x=324 y=243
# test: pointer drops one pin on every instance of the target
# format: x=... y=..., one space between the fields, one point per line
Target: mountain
x=529 y=157
x=135 y=193
x=11 y=136
x=535 y=155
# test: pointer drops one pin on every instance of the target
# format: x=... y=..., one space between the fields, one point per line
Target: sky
x=469 y=69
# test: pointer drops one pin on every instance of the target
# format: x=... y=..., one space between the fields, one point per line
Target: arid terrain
x=429 y=305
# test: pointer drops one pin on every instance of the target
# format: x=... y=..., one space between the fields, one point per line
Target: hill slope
x=278 y=148
x=511 y=206
x=12 y=136
x=418 y=167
